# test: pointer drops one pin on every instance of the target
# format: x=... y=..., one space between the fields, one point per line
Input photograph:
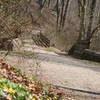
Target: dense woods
x=78 y=20
x=86 y=12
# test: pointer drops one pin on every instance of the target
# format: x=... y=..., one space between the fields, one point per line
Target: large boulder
x=17 y=44
x=91 y=55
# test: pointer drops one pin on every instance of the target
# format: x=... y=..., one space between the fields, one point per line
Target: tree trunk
x=84 y=38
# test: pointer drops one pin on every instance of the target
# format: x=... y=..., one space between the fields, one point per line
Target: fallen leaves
x=15 y=85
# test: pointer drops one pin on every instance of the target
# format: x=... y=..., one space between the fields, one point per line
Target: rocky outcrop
x=17 y=44
x=91 y=55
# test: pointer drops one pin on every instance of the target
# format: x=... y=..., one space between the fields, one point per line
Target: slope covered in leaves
x=15 y=85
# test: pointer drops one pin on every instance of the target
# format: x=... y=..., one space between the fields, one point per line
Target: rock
x=39 y=39
x=91 y=55
x=17 y=44
x=6 y=44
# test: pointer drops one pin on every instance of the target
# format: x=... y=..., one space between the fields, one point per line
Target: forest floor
x=79 y=78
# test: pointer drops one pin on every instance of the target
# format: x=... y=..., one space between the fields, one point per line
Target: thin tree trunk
x=62 y=12
x=92 y=9
x=58 y=11
x=65 y=12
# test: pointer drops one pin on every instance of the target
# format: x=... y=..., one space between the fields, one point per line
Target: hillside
x=45 y=20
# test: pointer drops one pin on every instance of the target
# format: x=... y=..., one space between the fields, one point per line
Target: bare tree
x=13 y=19
x=61 y=13
x=61 y=8
x=86 y=14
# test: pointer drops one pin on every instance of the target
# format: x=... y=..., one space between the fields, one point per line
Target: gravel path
x=72 y=74
x=79 y=77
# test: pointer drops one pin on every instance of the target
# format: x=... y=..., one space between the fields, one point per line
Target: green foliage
x=15 y=85
x=18 y=92
x=22 y=92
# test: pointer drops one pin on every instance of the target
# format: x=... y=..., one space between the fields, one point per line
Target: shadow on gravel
x=79 y=90
x=84 y=56
x=88 y=62
x=61 y=59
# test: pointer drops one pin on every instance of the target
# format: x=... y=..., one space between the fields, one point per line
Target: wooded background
x=69 y=24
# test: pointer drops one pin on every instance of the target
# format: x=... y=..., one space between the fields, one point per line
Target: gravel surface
x=81 y=78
